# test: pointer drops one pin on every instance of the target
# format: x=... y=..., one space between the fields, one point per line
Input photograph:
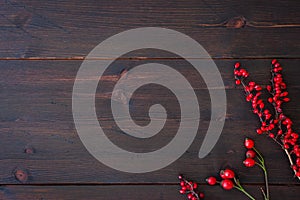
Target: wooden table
x=43 y=44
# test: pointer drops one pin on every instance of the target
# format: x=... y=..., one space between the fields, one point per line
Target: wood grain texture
x=134 y=192
x=36 y=113
x=42 y=45
x=71 y=29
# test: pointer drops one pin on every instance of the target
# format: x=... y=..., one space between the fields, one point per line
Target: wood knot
x=236 y=22
x=29 y=150
x=21 y=175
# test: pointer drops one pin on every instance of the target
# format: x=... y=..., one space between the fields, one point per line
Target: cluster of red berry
x=188 y=188
x=228 y=182
x=254 y=157
x=274 y=123
x=229 y=179
x=250 y=154
x=227 y=176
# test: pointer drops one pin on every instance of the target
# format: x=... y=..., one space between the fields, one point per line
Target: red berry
x=258 y=88
x=259 y=131
x=252 y=83
x=282 y=117
x=195 y=185
x=237 y=65
x=271 y=135
x=201 y=195
x=286 y=99
x=295 y=135
x=222 y=174
x=182 y=191
x=261 y=105
x=288 y=121
x=249 y=162
x=227 y=184
x=228 y=173
x=274 y=61
x=250 y=154
x=211 y=180
x=271 y=127
x=189 y=196
x=238 y=82
x=249 y=143
x=270 y=100
x=286 y=146
x=294 y=167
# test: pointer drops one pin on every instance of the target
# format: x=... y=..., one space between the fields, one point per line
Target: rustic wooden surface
x=42 y=45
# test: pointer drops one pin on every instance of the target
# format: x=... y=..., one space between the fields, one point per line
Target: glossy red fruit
x=195 y=185
x=250 y=154
x=227 y=184
x=259 y=131
x=238 y=82
x=237 y=65
x=286 y=99
x=249 y=143
x=270 y=100
x=252 y=83
x=249 y=162
x=294 y=167
x=279 y=132
x=228 y=173
x=211 y=180
x=201 y=195
x=222 y=175
x=298 y=162
x=182 y=191
x=258 y=88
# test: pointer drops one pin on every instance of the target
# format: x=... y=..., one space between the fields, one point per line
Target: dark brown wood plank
x=45 y=88
x=226 y=29
x=36 y=114
x=117 y=192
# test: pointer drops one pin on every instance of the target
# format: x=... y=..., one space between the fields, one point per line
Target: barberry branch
x=277 y=126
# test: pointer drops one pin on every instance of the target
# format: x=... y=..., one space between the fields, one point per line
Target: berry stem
x=291 y=161
x=261 y=158
x=192 y=190
x=264 y=194
x=239 y=187
x=263 y=167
